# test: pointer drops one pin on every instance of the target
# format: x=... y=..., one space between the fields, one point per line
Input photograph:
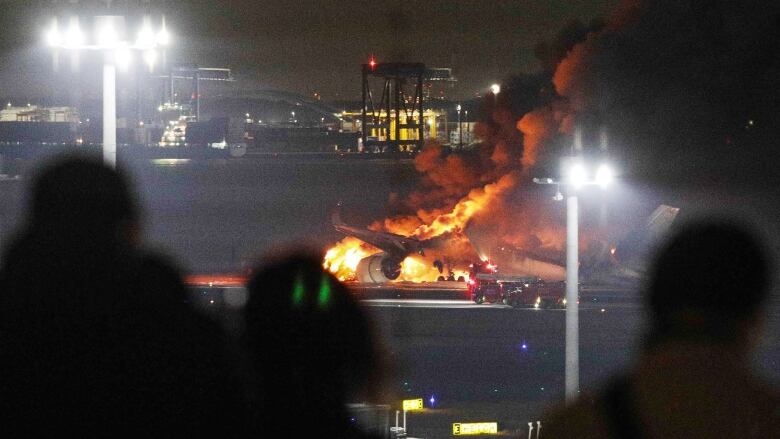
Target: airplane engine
x=378 y=268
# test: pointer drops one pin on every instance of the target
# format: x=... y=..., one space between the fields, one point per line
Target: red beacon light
x=372 y=63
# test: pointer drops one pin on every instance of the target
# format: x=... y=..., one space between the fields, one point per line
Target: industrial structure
x=196 y=75
x=396 y=122
x=176 y=116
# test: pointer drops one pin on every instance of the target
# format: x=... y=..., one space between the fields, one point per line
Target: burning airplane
x=370 y=256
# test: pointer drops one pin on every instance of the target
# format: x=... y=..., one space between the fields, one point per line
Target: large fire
x=601 y=83
x=474 y=194
x=422 y=269
x=342 y=259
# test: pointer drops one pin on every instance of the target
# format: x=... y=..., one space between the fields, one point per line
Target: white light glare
x=604 y=176
x=122 y=58
x=53 y=35
x=146 y=37
x=150 y=58
x=107 y=37
x=495 y=89
x=577 y=175
x=163 y=37
x=74 y=37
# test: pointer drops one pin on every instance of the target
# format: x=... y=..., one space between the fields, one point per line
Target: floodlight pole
x=572 y=300
x=107 y=42
x=109 y=115
x=572 y=335
x=575 y=180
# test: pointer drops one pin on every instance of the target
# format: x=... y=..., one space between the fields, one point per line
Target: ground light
x=111 y=38
x=576 y=175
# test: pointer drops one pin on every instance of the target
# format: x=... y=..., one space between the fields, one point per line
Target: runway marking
x=423 y=303
x=449 y=304
x=467 y=304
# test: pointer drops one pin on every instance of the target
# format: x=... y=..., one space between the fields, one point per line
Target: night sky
x=308 y=46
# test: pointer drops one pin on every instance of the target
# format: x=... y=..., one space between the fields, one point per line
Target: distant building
x=34 y=113
x=469 y=136
x=35 y=124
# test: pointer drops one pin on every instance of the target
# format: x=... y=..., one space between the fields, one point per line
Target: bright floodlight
x=146 y=37
x=163 y=37
x=123 y=58
x=604 y=176
x=577 y=175
x=458 y=107
x=106 y=36
x=495 y=89
x=53 y=35
x=74 y=37
x=150 y=58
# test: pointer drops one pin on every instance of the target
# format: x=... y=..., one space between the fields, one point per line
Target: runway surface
x=491 y=362
x=467 y=304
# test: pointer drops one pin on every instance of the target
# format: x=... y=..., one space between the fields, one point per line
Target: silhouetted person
x=95 y=337
x=693 y=380
x=313 y=348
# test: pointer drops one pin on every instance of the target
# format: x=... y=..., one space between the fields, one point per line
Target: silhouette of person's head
x=313 y=346
x=81 y=195
x=708 y=281
x=95 y=336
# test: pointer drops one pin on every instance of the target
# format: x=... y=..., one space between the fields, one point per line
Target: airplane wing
x=390 y=243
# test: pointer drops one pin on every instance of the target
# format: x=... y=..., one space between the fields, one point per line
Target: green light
x=298 y=291
x=324 y=297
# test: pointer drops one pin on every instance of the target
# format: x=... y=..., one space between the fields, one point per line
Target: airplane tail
x=632 y=252
x=661 y=220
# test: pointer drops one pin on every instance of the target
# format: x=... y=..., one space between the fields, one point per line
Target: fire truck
x=486 y=284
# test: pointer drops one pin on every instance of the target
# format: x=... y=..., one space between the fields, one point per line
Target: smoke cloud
x=685 y=89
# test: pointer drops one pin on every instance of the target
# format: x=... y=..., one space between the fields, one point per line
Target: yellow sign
x=413 y=404
x=475 y=428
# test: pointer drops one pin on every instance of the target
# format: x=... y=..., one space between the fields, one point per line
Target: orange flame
x=436 y=223
x=421 y=269
x=342 y=259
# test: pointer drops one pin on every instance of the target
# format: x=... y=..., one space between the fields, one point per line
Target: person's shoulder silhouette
x=313 y=348
x=705 y=294
x=95 y=337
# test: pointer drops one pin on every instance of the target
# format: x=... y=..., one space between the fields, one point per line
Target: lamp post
x=460 y=129
x=466 y=120
x=111 y=39
x=576 y=176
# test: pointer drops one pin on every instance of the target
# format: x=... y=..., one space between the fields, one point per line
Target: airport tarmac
x=593 y=304
x=493 y=363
